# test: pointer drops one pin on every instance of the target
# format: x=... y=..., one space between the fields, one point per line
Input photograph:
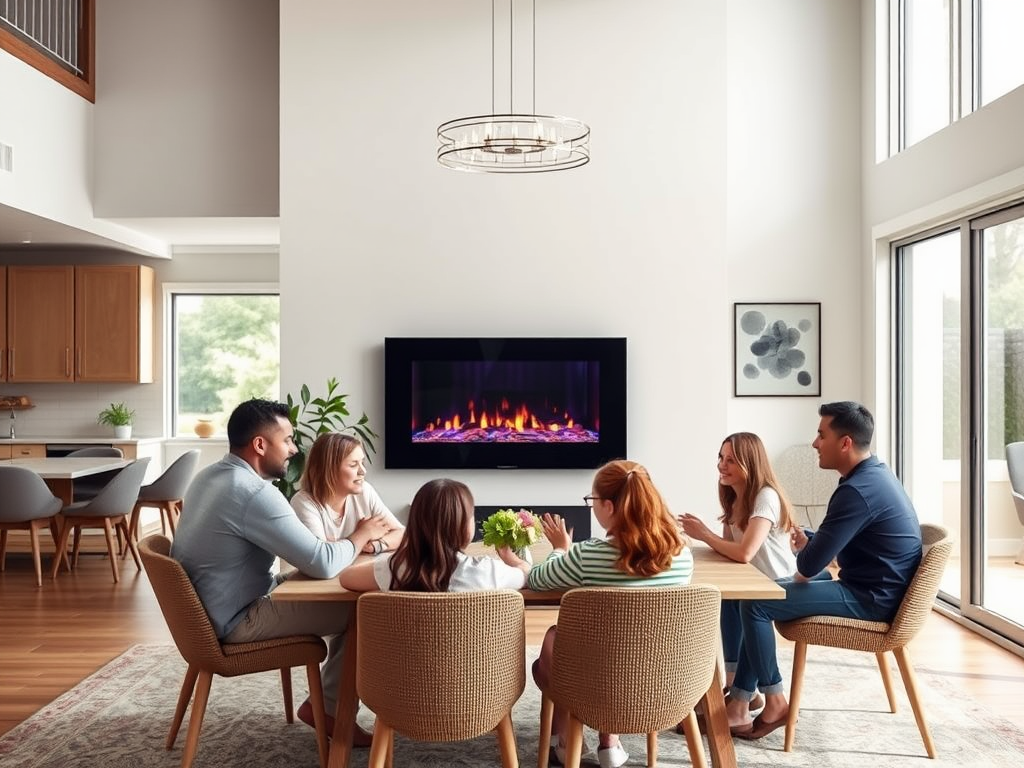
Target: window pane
x=1003 y=259
x=926 y=73
x=1000 y=54
x=226 y=350
x=930 y=415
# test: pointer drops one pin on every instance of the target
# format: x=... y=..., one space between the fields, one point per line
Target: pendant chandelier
x=513 y=142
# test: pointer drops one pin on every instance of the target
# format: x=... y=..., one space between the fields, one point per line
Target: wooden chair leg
x=59 y=555
x=187 y=686
x=133 y=527
x=507 y=743
x=795 y=688
x=652 y=749
x=316 y=700
x=547 y=710
x=693 y=741
x=130 y=544
x=910 y=682
x=195 y=722
x=883 y=667
x=62 y=546
x=286 y=690
x=33 y=532
x=77 y=546
x=574 y=742
x=108 y=533
x=381 y=745
x=3 y=550
x=172 y=521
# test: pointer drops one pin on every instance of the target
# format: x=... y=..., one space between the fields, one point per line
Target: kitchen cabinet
x=40 y=323
x=85 y=323
x=22 y=451
x=114 y=323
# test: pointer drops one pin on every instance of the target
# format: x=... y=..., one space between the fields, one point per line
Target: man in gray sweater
x=234 y=523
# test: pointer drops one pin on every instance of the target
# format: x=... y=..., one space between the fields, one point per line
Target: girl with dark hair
x=430 y=557
x=643 y=548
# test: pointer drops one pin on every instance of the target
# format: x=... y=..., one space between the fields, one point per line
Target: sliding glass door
x=960 y=400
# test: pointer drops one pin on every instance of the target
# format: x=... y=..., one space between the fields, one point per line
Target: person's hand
x=511 y=558
x=555 y=531
x=797 y=539
x=694 y=527
x=368 y=530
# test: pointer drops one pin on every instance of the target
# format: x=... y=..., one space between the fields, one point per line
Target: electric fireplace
x=504 y=403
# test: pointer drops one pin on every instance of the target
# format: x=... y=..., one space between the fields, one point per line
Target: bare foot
x=738 y=713
x=360 y=738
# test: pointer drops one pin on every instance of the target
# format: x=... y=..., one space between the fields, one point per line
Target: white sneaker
x=612 y=757
x=588 y=756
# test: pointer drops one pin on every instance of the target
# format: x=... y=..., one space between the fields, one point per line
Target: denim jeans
x=757 y=666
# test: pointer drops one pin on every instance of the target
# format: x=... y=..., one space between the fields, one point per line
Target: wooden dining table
x=736 y=581
x=59 y=473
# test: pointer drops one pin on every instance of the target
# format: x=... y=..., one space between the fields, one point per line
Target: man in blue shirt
x=234 y=523
x=870 y=529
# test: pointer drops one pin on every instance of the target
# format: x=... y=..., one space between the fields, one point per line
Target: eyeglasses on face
x=589 y=500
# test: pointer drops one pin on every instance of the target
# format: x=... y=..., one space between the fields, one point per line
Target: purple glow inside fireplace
x=504 y=403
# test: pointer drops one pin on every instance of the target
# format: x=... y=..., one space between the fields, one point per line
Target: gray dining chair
x=1015 y=469
x=26 y=504
x=86 y=488
x=110 y=510
x=165 y=493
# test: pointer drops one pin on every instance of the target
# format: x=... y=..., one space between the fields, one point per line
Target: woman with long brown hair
x=643 y=548
x=756 y=522
x=335 y=499
x=430 y=557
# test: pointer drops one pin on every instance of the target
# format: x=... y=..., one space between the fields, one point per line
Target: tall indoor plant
x=312 y=417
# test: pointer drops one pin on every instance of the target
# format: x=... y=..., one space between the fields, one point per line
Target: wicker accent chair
x=26 y=504
x=207 y=656
x=463 y=666
x=630 y=660
x=877 y=637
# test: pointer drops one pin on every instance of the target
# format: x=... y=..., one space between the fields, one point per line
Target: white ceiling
x=22 y=230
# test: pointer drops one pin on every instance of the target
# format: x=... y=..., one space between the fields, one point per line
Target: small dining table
x=59 y=473
x=737 y=581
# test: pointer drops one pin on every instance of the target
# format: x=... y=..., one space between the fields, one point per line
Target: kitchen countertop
x=95 y=440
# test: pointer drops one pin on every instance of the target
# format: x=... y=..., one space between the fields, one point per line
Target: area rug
x=118 y=718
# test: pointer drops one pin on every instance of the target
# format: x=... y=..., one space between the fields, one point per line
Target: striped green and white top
x=591 y=563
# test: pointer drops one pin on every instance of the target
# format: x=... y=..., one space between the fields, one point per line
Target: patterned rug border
x=88 y=701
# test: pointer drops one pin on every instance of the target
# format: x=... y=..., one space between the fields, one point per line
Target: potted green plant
x=312 y=417
x=120 y=417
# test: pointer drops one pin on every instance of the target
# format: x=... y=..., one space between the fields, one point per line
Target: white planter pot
x=123 y=433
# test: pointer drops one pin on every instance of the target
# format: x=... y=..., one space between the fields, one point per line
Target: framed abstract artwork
x=777 y=349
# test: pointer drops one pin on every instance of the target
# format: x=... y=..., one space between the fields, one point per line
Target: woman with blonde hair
x=430 y=557
x=756 y=522
x=643 y=548
x=336 y=501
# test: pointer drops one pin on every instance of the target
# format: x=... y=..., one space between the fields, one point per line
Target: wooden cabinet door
x=40 y=323
x=3 y=326
x=113 y=323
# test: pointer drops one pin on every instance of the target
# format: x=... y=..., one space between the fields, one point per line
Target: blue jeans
x=757 y=666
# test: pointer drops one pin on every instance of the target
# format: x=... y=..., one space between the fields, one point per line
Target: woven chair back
x=920 y=595
x=182 y=609
x=630 y=660
x=441 y=666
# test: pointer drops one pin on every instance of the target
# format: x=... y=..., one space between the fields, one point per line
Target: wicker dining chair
x=877 y=637
x=632 y=660
x=441 y=666
x=207 y=656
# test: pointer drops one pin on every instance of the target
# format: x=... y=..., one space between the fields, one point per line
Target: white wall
x=187 y=109
x=51 y=132
x=713 y=180
x=794 y=192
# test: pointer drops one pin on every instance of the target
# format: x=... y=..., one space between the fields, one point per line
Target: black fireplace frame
x=400 y=452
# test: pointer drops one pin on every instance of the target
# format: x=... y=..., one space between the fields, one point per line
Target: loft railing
x=54 y=36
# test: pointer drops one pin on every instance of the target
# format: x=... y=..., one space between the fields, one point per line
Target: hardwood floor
x=51 y=638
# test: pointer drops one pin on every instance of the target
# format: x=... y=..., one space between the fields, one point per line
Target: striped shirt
x=591 y=563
